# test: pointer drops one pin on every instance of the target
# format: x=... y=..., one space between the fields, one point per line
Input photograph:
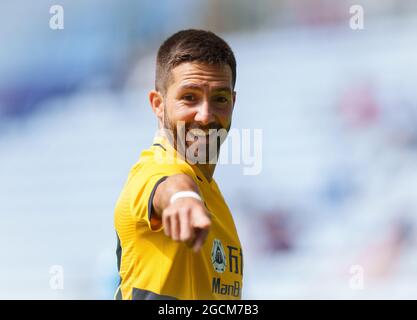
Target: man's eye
x=188 y=97
x=221 y=99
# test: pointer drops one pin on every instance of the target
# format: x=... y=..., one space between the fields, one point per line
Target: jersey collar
x=162 y=142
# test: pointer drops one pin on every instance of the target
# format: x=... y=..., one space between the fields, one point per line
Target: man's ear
x=157 y=104
x=234 y=99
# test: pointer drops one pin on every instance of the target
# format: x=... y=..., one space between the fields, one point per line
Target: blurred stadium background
x=337 y=196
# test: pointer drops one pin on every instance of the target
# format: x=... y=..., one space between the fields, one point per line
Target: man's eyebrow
x=223 y=89
x=198 y=88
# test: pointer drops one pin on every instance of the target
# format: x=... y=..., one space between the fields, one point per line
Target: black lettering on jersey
x=233 y=260
x=226 y=289
x=241 y=261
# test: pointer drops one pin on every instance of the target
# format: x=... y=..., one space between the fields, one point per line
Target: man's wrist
x=184 y=194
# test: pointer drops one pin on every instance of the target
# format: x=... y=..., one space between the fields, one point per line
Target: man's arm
x=186 y=219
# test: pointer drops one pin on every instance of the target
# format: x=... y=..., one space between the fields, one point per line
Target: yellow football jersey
x=152 y=265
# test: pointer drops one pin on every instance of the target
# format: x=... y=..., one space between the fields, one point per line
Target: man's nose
x=204 y=113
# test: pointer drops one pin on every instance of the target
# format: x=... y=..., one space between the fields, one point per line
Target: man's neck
x=206 y=169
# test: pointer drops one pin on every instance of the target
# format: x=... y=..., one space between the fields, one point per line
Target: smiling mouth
x=200 y=137
x=204 y=133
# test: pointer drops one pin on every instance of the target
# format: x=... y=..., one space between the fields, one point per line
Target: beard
x=196 y=143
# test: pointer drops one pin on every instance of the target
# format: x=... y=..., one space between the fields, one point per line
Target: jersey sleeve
x=142 y=188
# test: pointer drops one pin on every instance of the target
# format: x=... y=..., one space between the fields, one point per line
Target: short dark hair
x=188 y=46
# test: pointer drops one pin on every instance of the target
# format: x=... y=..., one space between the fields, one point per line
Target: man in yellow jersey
x=176 y=235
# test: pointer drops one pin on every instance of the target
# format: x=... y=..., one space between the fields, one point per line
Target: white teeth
x=199 y=133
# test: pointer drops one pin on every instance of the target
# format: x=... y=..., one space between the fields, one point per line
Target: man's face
x=199 y=97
